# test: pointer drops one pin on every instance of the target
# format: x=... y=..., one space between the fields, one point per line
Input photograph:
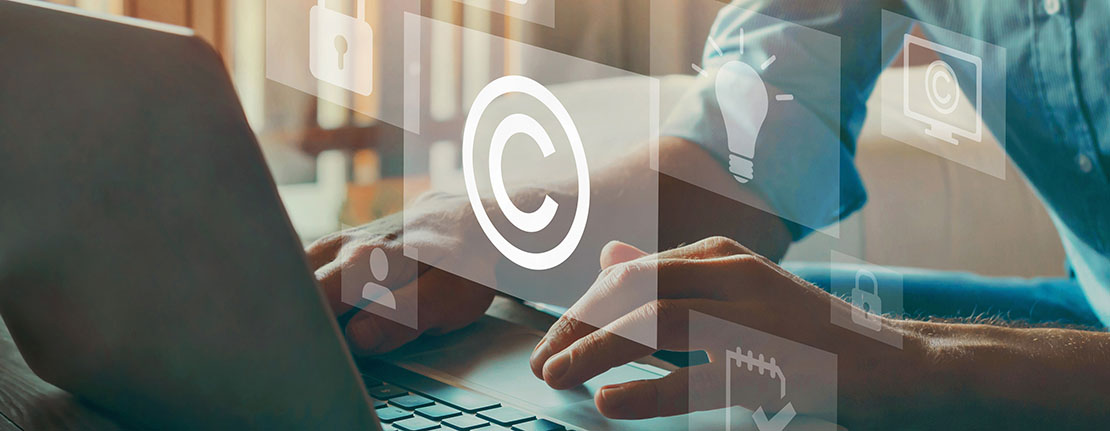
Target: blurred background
x=338 y=168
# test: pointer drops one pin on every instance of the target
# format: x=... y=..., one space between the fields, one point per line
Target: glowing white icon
x=744 y=116
x=763 y=366
x=942 y=97
x=744 y=103
x=867 y=306
x=511 y=126
x=341 y=48
x=942 y=89
x=375 y=292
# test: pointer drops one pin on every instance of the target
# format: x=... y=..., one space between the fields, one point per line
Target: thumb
x=616 y=252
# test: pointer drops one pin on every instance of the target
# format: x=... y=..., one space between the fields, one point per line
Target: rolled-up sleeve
x=825 y=58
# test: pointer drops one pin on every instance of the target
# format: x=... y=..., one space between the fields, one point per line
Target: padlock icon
x=867 y=307
x=341 y=48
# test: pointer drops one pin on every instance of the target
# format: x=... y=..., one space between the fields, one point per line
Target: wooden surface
x=29 y=403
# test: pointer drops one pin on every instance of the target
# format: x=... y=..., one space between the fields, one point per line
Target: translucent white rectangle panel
x=543 y=157
x=537 y=11
x=365 y=285
x=346 y=52
x=872 y=291
x=949 y=95
x=762 y=98
x=755 y=380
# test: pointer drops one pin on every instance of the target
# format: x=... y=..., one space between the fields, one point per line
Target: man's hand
x=438 y=226
x=443 y=228
x=716 y=276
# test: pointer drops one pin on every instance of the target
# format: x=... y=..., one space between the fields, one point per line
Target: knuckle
x=325 y=242
x=665 y=310
x=589 y=343
x=566 y=327
x=723 y=244
x=657 y=307
x=361 y=250
x=627 y=273
x=748 y=262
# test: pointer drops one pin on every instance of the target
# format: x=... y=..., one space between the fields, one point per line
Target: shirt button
x=1085 y=163
x=1052 y=6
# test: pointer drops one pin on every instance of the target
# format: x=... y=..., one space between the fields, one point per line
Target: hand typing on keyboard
x=717 y=277
x=436 y=225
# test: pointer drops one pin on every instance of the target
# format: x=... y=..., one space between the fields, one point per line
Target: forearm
x=690 y=213
x=623 y=189
x=1000 y=377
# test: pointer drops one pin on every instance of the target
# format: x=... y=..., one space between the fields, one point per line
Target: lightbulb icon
x=744 y=103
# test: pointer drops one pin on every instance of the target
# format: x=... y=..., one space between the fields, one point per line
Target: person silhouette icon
x=373 y=291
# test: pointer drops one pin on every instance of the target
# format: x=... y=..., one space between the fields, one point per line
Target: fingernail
x=557 y=367
x=536 y=361
x=540 y=351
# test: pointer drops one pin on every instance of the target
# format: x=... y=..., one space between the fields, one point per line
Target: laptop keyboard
x=447 y=409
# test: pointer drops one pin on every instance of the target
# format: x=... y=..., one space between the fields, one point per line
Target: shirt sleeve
x=825 y=58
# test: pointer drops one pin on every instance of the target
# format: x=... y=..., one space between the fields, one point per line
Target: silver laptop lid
x=146 y=262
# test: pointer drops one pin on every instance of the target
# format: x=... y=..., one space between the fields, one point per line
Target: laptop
x=148 y=267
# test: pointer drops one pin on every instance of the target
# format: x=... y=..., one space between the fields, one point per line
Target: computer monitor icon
x=941 y=89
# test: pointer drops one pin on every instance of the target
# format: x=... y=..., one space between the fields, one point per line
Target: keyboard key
x=416 y=424
x=390 y=414
x=493 y=428
x=386 y=392
x=465 y=423
x=437 y=412
x=505 y=416
x=411 y=402
x=370 y=381
x=538 y=425
x=379 y=404
x=462 y=400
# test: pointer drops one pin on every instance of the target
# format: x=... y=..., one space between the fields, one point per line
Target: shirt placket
x=1057 y=64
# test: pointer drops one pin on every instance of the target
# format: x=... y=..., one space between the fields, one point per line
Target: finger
x=330 y=280
x=618 y=252
x=628 y=286
x=615 y=252
x=445 y=303
x=625 y=287
x=449 y=302
x=605 y=348
x=666 y=396
x=383 y=262
x=709 y=248
x=636 y=280
x=368 y=333
x=355 y=266
x=675 y=278
x=323 y=251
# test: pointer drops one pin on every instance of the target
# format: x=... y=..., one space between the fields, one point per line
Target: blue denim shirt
x=1057 y=105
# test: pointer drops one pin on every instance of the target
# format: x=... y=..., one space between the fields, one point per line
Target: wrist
x=886 y=385
x=938 y=369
